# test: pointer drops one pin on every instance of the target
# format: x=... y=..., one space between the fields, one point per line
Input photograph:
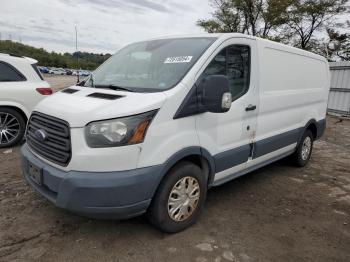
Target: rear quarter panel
x=21 y=94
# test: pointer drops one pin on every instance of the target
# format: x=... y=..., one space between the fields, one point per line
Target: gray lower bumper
x=108 y=195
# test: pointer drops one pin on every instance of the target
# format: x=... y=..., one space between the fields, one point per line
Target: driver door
x=229 y=136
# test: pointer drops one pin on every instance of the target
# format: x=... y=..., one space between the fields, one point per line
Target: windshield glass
x=150 y=66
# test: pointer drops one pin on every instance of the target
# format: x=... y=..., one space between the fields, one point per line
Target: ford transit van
x=164 y=120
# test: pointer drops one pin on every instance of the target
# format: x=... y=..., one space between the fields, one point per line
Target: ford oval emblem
x=41 y=135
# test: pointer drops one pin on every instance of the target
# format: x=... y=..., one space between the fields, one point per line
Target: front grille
x=56 y=147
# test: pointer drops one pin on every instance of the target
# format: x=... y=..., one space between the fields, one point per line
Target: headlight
x=118 y=132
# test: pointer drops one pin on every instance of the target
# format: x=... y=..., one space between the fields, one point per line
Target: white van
x=164 y=120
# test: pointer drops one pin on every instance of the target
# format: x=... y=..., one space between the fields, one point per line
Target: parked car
x=81 y=73
x=57 y=71
x=85 y=73
x=68 y=72
x=164 y=120
x=43 y=69
x=21 y=88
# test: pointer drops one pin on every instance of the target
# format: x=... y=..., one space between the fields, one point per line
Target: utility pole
x=76 y=52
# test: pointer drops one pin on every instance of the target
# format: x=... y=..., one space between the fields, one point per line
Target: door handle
x=250 y=108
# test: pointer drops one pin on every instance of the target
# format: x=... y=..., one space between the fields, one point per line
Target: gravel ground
x=278 y=213
x=58 y=82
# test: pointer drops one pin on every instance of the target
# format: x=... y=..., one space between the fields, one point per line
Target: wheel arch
x=198 y=156
x=312 y=126
x=18 y=109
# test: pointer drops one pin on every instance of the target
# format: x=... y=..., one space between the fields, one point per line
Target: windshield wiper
x=114 y=87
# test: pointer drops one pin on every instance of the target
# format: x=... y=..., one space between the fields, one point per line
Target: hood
x=81 y=107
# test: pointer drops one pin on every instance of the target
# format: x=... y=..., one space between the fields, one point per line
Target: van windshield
x=149 y=66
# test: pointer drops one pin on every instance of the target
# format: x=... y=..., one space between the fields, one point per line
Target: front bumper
x=107 y=195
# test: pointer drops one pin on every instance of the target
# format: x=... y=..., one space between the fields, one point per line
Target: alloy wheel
x=9 y=128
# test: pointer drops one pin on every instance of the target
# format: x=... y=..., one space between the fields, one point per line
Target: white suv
x=21 y=88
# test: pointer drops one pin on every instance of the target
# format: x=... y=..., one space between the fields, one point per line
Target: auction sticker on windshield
x=178 y=59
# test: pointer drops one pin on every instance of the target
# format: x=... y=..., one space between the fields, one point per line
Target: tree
x=226 y=18
x=87 y=60
x=253 y=17
x=337 y=45
x=274 y=16
x=301 y=23
x=306 y=17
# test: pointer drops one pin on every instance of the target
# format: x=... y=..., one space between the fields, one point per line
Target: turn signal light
x=44 y=91
x=139 y=133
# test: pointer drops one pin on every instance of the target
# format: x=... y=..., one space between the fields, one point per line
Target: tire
x=12 y=127
x=182 y=174
x=300 y=158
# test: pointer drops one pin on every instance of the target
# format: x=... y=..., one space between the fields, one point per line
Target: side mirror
x=215 y=94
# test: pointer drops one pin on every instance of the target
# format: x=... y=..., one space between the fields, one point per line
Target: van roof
x=217 y=35
x=266 y=42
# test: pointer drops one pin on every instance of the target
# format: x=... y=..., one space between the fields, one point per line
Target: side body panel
x=293 y=90
x=294 y=87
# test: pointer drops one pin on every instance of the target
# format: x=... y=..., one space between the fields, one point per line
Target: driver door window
x=233 y=62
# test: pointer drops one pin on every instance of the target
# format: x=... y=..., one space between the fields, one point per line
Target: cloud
x=9 y=25
x=121 y=4
x=103 y=26
x=150 y=5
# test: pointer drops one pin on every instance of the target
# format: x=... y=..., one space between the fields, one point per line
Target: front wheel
x=179 y=199
x=303 y=152
x=12 y=127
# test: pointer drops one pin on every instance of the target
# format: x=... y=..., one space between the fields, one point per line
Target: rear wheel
x=303 y=152
x=12 y=127
x=179 y=199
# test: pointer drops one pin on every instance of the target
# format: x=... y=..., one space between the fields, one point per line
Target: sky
x=104 y=26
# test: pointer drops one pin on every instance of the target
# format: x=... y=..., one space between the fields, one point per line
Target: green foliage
x=226 y=18
x=87 y=61
x=253 y=17
x=306 y=17
x=301 y=23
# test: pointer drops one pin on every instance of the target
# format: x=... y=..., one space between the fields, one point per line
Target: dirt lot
x=58 y=82
x=278 y=213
